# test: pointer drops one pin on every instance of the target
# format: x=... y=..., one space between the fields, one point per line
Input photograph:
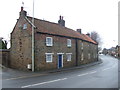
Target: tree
x=96 y=37
x=3 y=43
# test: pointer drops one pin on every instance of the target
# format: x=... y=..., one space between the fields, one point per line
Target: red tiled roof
x=87 y=38
x=54 y=28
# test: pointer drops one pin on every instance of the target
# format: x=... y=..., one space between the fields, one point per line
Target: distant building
x=56 y=46
x=118 y=50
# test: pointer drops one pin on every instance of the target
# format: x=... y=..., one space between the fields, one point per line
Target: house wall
x=20 y=51
x=59 y=46
x=88 y=48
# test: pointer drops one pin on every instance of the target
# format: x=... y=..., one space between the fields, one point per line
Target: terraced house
x=56 y=46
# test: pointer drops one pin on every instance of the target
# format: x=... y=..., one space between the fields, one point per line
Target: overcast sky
x=89 y=15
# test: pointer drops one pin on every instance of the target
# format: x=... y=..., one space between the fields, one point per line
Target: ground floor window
x=49 y=57
x=82 y=56
x=69 y=56
x=89 y=56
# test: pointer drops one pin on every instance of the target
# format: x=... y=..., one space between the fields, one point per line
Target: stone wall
x=20 y=52
x=59 y=46
x=4 y=57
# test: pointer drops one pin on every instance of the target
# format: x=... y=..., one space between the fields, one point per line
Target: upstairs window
x=68 y=56
x=49 y=41
x=69 y=44
x=24 y=26
x=82 y=45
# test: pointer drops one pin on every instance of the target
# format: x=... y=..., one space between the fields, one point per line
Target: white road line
x=83 y=74
x=44 y=83
x=106 y=69
x=92 y=72
x=87 y=73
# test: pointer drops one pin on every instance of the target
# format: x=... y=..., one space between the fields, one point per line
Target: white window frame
x=69 y=58
x=69 y=43
x=24 y=26
x=82 y=45
x=89 y=55
x=47 y=57
x=49 y=43
x=82 y=57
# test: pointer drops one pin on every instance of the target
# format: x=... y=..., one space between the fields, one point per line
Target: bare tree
x=96 y=37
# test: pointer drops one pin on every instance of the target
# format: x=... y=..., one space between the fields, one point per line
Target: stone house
x=56 y=46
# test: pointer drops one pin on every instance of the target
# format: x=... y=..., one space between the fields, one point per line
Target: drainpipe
x=76 y=47
x=33 y=40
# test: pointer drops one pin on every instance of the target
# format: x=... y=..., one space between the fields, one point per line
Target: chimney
x=88 y=34
x=60 y=17
x=22 y=12
x=79 y=30
x=61 y=21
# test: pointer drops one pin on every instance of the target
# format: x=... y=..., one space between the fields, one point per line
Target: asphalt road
x=104 y=75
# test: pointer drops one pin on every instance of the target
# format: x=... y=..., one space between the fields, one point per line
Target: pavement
x=18 y=73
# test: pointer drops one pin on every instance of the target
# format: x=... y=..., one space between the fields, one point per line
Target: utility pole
x=33 y=49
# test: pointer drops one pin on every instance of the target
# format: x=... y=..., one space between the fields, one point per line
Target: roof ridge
x=55 y=28
x=52 y=23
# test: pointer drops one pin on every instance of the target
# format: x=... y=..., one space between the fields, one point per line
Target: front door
x=60 y=61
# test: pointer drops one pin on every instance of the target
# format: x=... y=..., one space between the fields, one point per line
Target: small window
x=49 y=41
x=49 y=57
x=82 y=57
x=94 y=56
x=81 y=45
x=69 y=43
x=89 y=56
x=69 y=56
x=24 y=26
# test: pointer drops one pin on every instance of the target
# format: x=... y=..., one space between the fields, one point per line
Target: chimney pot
x=21 y=8
x=61 y=21
x=60 y=17
x=22 y=12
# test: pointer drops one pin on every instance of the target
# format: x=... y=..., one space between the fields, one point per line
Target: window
x=94 y=56
x=81 y=45
x=49 y=41
x=82 y=57
x=49 y=57
x=68 y=56
x=89 y=56
x=24 y=26
x=69 y=43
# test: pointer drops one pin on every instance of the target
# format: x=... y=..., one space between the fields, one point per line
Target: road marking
x=87 y=73
x=25 y=77
x=83 y=74
x=92 y=72
x=106 y=69
x=43 y=83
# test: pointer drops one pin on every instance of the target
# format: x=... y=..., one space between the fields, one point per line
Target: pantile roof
x=56 y=29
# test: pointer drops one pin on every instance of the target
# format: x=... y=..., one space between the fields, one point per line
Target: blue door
x=59 y=61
